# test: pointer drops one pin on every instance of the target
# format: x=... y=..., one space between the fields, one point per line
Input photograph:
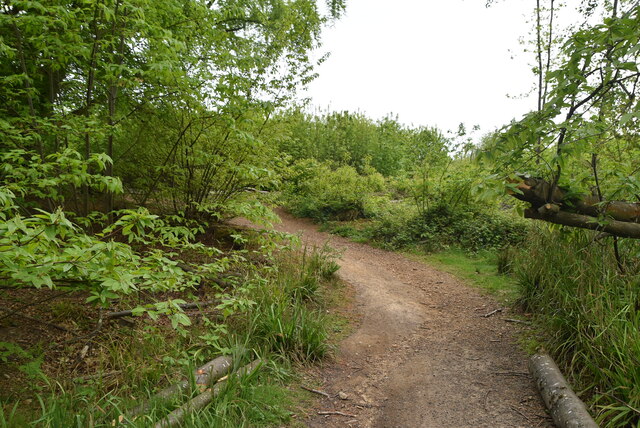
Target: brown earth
x=422 y=354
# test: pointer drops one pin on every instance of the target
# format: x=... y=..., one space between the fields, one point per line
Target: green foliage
x=585 y=135
x=318 y=191
x=160 y=104
x=283 y=323
x=170 y=97
x=352 y=139
x=287 y=319
x=399 y=224
x=480 y=269
x=128 y=125
x=589 y=316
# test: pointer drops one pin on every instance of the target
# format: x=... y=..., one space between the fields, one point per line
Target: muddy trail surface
x=422 y=353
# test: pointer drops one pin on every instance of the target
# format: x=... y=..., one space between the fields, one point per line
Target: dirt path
x=422 y=355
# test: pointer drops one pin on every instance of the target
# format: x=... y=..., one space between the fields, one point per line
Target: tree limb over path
x=555 y=205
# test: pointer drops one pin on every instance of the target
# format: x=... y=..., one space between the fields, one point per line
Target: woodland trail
x=422 y=354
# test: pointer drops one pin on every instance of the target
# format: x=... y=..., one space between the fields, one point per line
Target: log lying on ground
x=176 y=417
x=205 y=375
x=564 y=405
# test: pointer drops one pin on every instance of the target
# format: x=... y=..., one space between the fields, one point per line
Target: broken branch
x=315 y=391
x=335 y=412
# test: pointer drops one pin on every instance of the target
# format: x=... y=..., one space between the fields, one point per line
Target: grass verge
x=478 y=269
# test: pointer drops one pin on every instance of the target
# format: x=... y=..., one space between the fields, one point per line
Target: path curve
x=422 y=354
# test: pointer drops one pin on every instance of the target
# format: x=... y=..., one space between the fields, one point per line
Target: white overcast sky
x=431 y=62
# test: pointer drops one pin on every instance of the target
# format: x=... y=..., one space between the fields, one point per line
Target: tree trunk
x=537 y=192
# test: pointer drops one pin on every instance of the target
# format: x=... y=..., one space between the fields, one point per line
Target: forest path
x=422 y=354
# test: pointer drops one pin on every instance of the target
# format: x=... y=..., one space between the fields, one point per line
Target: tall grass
x=589 y=314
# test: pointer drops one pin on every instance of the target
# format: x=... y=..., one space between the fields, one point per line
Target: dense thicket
x=415 y=186
x=130 y=103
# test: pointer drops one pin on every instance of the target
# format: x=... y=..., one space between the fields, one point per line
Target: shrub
x=317 y=191
x=442 y=227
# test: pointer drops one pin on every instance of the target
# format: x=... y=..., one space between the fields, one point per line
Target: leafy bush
x=317 y=191
x=441 y=227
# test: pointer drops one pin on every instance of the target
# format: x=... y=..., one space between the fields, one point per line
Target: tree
x=162 y=100
x=580 y=148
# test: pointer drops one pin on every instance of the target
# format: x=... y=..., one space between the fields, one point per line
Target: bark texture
x=565 y=407
x=176 y=417
x=205 y=375
x=556 y=205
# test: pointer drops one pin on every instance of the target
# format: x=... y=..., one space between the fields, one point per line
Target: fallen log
x=538 y=193
x=614 y=227
x=565 y=407
x=205 y=375
x=176 y=417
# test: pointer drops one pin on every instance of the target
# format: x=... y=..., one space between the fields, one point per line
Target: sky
x=431 y=62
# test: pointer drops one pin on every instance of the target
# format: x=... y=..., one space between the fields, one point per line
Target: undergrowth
x=275 y=313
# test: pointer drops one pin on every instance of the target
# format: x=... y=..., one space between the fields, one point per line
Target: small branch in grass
x=199 y=402
x=495 y=311
x=335 y=412
x=205 y=375
x=517 y=321
x=621 y=402
x=97 y=376
x=315 y=391
x=115 y=315
x=84 y=336
x=183 y=306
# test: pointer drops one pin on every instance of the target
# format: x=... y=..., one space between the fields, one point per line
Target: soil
x=422 y=354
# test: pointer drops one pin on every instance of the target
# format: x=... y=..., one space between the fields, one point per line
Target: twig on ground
x=517 y=321
x=495 y=311
x=621 y=402
x=515 y=409
x=315 y=391
x=335 y=412
x=486 y=396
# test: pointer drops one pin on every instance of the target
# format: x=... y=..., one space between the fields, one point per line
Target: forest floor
x=422 y=353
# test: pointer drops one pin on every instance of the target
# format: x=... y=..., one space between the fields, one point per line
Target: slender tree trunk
x=88 y=101
x=112 y=99
x=27 y=85
x=549 y=45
